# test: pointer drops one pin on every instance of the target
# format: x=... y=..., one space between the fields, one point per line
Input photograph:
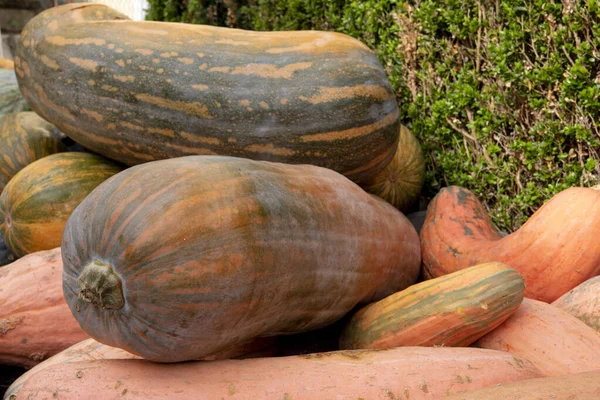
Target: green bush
x=503 y=95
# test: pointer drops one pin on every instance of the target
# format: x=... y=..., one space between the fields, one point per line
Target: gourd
x=35 y=321
x=401 y=181
x=152 y=90
x=11 y=100
x=176 y=259
x=415 y=373
x=583 y=302
x=546 y=250
x=452 y=310
x=36 y=203
x=24 y=138
x=552 y=339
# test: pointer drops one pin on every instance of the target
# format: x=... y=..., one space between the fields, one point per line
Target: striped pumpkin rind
x=400 y=183
x=36 y=203
x=452 y=311
x=11 y=99
x=211 y=251
x=141 y=91
x=24 y=138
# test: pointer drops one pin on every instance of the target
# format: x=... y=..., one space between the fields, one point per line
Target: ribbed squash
x=554 y=340
x=554 y=253
x=5 y=63
x=452 y=311
x=582 y=386
x=11 y=100
x=186 y=256
x=414 y=373
x=154 y=90
x=400 y=183
x=36 y=203
x=583 y=302
x=35 y=322
x=24 y=138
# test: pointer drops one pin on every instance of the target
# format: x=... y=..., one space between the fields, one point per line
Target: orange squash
x=555 y=341
x=452 y=310
x=554 y=253
x=5 y=63
x=581 y=386
x=416 y=373
x=583 y=302
x=90 y=349
x=35 y=322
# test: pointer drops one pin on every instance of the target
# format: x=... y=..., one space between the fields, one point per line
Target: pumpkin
x=555 y=341
x=153 y=90
x=36 y=203
x=11 y=100
x=452 y=310
x=417 y=373
x=189 y=255
x=400 y=183
x=90 y=349
x=582 y=386
x=5 y=63
x=583 y=302
x=553 y=253
x=24 y=138
x=35 y=322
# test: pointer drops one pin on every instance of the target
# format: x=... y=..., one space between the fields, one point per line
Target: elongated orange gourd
x=415 y=373
x=35 y=321
x=553 y=253
x=555 y=341
x=583 y=302
x=177 y=259
x=453 y=310
x=154 y=90
x=582 y=386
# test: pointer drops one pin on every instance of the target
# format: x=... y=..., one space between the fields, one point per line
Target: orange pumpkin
x=556 y=250
x=583 y=302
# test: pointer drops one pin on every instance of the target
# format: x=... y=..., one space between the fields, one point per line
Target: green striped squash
x=141 y=91
x=24 y=138
x=452 y=310
x=38 y=200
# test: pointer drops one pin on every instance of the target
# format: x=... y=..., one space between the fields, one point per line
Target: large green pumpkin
x=140 y=91
x=38 y=200
x=177 y=259
x=24 y=138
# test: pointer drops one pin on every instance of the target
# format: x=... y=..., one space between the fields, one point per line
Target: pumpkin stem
x=100 y=285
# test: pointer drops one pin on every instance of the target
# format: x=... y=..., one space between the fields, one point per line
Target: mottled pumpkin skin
x=153 y=90
x=555 y=250
x=400 y=183
x=11 y=99
x=24 y=138
x=36 y=203
x=452 y=311
x=212 y=251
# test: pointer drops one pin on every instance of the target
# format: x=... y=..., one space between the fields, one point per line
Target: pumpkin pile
x=233 y=224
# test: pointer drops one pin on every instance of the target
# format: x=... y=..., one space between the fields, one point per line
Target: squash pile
x=237 y=201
